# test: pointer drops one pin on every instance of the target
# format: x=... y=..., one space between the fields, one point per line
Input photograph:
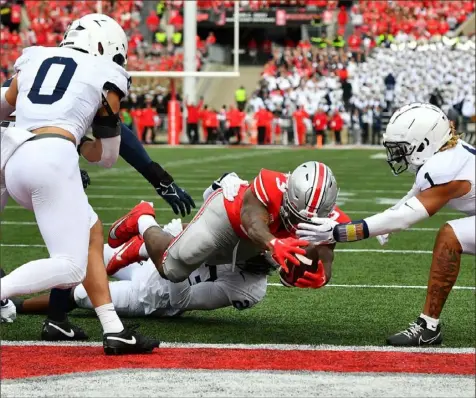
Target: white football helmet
x=415 y=133
x=98 y=35
x=311 y=191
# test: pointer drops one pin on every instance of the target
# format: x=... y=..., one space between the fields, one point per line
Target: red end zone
x=29 y=361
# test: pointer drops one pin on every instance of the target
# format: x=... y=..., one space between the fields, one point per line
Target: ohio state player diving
x=228 y=228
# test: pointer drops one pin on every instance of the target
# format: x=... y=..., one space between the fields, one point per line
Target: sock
x=109 y=320
x=59 y=304
x=143 y=251
x=145 y=222
x=431 y=323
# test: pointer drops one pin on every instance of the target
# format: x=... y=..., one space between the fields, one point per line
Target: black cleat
x=128 y=342
x=416 y=335
x=62 y=331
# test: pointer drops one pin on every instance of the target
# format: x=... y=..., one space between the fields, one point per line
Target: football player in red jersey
x=262 y=216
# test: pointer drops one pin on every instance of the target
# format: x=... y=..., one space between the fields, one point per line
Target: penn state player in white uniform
x=420 y=138
x=58 y=93
x=141 y=291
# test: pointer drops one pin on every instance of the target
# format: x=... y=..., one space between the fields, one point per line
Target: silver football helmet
x=311 y=192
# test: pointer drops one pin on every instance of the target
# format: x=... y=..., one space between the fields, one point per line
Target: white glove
x=230 y=185
x=320 y=231
x=383 y=239
x=174 y=227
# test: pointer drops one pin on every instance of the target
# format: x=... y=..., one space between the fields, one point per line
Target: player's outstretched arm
x=133 y=152
x=417 y=208
x=255 y=220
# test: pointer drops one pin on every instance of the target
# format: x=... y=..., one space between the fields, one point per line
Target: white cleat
x=8 y=311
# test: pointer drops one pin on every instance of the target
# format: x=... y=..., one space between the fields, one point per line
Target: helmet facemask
x=291 y=217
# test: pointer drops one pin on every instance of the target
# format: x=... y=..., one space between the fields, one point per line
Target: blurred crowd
x=31 y=22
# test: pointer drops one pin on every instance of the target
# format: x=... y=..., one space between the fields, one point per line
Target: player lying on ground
x=420 y=138
x=262 y=216
x=141 y=291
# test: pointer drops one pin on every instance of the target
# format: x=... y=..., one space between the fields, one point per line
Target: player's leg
x=454 y=238
x=43 y=175
x=123 y=295
x=204 y=236
x=96 y=285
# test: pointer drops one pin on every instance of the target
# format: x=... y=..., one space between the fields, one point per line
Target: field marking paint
x=9 y=222
x=20 y=245
x=381 y=286
x=348 y=211
x=379 y=156
x=186 y=162
x=277 y=347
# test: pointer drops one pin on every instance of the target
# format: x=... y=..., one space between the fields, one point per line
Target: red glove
x=284 y=249
x=313 y=280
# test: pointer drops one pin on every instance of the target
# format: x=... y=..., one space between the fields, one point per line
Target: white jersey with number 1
x=455 y=164
x=62 y=87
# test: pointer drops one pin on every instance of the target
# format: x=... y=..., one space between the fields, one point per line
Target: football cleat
x=62 y=331
x=416 y=335
x=8 y=311
x=128 y=254
x=127 y=227
x=128 y=342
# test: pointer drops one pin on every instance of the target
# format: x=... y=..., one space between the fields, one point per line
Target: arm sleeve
x=132 y=151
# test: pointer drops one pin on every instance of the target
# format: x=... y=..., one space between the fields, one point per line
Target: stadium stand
x=356 y=67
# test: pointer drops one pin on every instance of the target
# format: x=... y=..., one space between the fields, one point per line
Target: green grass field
x=346 y=315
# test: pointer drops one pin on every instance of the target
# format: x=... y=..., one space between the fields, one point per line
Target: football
x=308 y=262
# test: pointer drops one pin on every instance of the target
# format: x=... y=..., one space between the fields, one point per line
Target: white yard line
x=19 y=245
x=114 y=208
x=186 y=162
x=280 y=347
x=11 y=222
x=472 y=288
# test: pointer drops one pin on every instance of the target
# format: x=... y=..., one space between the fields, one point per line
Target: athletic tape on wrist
x=351 y=232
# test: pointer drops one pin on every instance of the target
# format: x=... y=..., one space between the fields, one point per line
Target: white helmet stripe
x=318 y=191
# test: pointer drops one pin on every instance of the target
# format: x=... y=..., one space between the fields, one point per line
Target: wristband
x=351 y=232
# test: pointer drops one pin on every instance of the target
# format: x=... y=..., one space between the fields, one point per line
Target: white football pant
x=43 y=176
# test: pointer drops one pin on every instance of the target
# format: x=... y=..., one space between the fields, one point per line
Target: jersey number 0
x=61 y=85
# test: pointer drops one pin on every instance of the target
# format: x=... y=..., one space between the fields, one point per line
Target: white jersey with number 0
x=62 y=87
x=454 y=164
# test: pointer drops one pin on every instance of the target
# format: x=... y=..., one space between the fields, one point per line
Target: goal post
x=189 y=75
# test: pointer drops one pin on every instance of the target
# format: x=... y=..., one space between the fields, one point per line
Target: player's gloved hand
x=230 y=183
x=285 y=249
x=85 y=178
x=312 y=280
x=176 y=197
x=174 y=227
x=320 y=231
x=383 y=239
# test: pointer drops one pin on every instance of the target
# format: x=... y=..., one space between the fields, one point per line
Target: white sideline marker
x=280 y=347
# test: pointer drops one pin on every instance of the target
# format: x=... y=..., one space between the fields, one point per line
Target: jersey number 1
x=61 y=85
